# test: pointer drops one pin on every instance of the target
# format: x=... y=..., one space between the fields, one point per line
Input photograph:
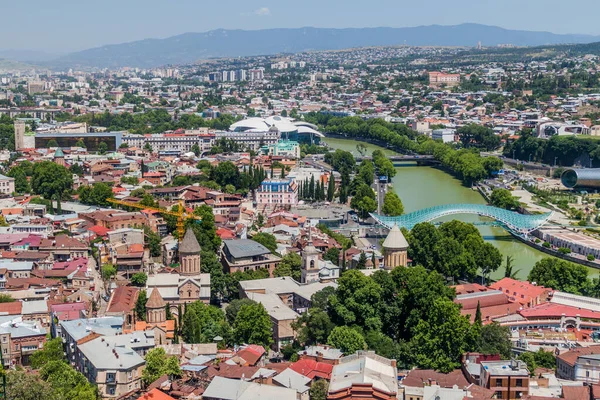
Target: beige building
x=395 y=249
x=7 y=185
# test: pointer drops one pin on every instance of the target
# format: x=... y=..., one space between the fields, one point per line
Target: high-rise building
x=241 y=75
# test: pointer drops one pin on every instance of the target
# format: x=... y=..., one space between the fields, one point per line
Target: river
x=421 y=187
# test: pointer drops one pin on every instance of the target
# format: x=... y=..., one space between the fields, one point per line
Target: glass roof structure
x=511 y=220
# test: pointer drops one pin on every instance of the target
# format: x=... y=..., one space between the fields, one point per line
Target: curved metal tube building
x=587 y=177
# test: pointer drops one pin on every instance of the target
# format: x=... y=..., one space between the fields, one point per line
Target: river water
x=422 y=187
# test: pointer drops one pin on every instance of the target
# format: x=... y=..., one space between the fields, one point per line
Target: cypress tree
x=322 y=192
x=311 y=187
x=331 y=188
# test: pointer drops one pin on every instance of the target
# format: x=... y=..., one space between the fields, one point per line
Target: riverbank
x=425 y=186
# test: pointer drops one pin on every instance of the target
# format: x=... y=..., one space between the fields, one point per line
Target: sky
x=62 y=26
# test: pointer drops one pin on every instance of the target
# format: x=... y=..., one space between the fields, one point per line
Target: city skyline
x=76 y=26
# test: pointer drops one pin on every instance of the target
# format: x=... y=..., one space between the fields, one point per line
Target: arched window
x=312 y=264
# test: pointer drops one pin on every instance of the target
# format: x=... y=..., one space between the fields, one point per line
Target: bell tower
x=189 y=255
x=310 y=262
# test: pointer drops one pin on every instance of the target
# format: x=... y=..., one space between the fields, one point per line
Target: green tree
x=67 y=383
x=495 y=339
x=356 y=301
x=52 y=351
x=313 y=327
x=364 y=201
x=318 y=390
x=152 y=241
x=140 y=306
x=97 y=194
x=159 y=364
x=332 y=254
x=6 y=298
x=202 y=323
x=362 y=261
x=560 y=275
x=291 y=265
x=108 y=271
x=22 y=385
x=442 y=338
x=226 y=173
x=331 y=188
x=102 y=148
x=51 y=180
x=392 y=205
x=52 y=143
x=80 y=143
x=21 y=182
x=252 y=325
x=139 y=279
x=267 y=240
x=503 y=198
x=348 y=340
x=196 y=149
x=232 y=309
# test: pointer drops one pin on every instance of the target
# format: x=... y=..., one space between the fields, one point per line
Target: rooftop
x=365 y=367
x=243 y=248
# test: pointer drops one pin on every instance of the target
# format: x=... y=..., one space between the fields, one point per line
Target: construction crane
x=181 y=214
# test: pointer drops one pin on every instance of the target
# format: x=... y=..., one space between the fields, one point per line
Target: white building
x=7 y=184
x=445 y=135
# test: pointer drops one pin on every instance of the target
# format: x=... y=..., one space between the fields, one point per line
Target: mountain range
x=191 y=47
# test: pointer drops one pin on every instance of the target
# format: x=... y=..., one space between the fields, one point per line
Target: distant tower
x=310 y=263
x=19 y=134
x=155 y=308
x=59 y=157
x=395 y=249
x=189 y=255
x=479 y=45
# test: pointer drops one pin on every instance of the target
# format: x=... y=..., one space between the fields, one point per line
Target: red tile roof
x=155 y=394
x=422 y=377
x=123 y=299
x=571 y=356
x=251 y=353
x=557 y=310
x=12 y=308
x=519 y=291
x=311 y=368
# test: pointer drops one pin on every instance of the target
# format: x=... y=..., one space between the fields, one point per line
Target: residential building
x=247 y=255
x=508 y=379
x=114 y=363
x=364 y=375
x=7 y=185
x=525 y=293
x=19 y=339
x=581 y=364
x=73 y=331
x=234 y=389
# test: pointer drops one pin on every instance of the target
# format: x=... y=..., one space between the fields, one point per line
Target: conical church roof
x=155 y=300
x=395 y=240
x=189 y=244
x=59 y=153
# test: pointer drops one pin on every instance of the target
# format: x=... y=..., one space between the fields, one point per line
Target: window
x=499 y=394
x=519 y=383
x=498 y=382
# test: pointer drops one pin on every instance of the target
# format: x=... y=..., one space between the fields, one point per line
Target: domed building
x=290 y=129
x=395 y=248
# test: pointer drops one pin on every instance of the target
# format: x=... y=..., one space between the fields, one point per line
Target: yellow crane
x=181 y=214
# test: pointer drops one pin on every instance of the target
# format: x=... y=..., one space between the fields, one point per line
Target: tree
x=267 y=240
x=66 y=382
x=318 y=390
x=474 y=135
x=560 y=275
x=495 y=339
x=331 y=188
x=332 y=254
x=196 y=149
x=108 y=271
x=442 y=338
x=152 y=241
x=6 y=298
x=20 y=176
x=52 y=351
x=52 y=143
x=355 y=301
x=508 y=271
x=158 y=364
x=313 y=327
x=50 y=180
x=362 y=261
x=22 y=385
x=140 y=306
x=291 y=265
x=392 y=205
x=97 y=194
x=102 y=148
x=81 y=143
x=348 y=340
x=232 y=309
x=225 y=173
x=253 y=325
x=364 y=201
x=503 y=198
x=139 y=279
x=202 y=323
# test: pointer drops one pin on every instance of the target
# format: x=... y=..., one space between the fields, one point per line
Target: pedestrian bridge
x=513 y=221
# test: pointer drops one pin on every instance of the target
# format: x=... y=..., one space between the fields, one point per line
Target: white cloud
x=262 y=11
